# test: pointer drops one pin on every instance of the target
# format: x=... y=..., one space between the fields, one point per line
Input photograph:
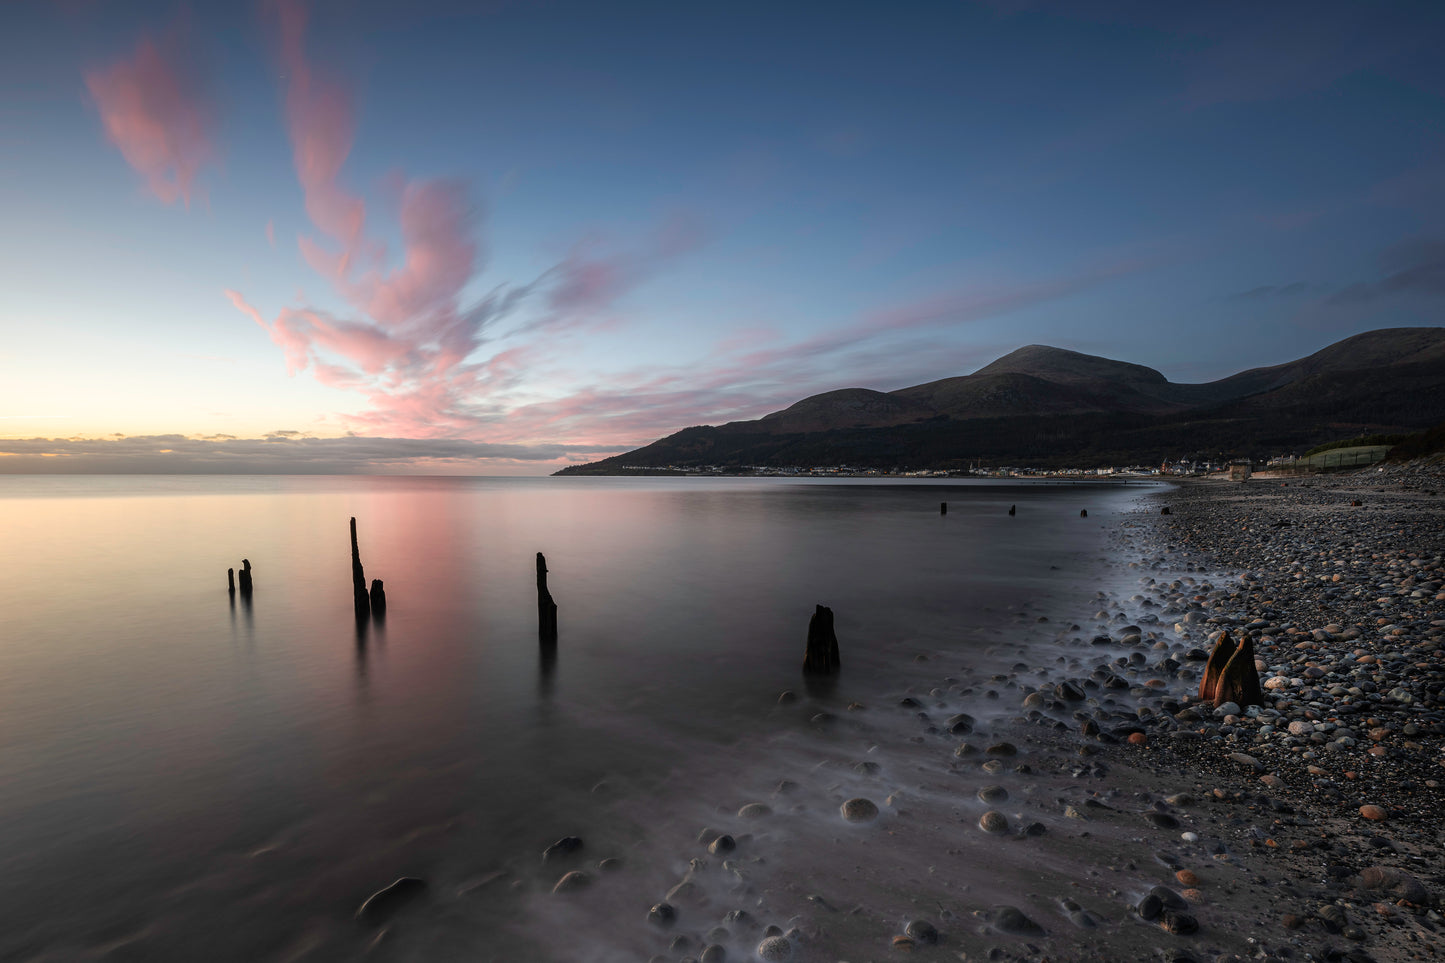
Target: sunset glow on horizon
x=326 y=236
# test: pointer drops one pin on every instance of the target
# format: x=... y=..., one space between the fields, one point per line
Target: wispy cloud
x=411 y=343
x=746 y=378
x=154 y=110
x=1412 y=268
x=430 y=362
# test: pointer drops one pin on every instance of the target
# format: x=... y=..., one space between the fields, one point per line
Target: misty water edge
x=183 y=775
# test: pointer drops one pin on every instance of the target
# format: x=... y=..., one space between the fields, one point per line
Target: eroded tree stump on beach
x=1230 y=674
x=821 y=657
x=359 y=599
x=245 y=578
x=546 y=608
x=1239 y=682
x=1218 y=658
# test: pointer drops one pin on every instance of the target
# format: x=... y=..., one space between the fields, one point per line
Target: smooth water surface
x=175 y=765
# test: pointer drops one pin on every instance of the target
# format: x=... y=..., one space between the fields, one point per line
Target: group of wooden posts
x=821 y=657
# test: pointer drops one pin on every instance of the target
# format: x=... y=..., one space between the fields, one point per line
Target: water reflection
x=546 y=668
x=135 y=763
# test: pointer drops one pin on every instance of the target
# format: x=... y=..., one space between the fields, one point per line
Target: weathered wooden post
x=1013 y=509
x=231 y=582
x=943 y=508
x=359 y=598
x=546 y=608
x=1239 y=682
x=378 y=599
x=1218 y=658
x=1083 y=513
x=245 y=578
x=821 y=657
x=1230 y=674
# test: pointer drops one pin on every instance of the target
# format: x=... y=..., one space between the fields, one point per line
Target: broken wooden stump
x=245 y=578
x=821 y=657
x=360 y=600
x=943 y=508
x=1013 y=509
x=1230 y=674
x=378 y=599
x=231 y=581
x=1218 y=659
x=1239 y=682
x=546 y=608
x=1083 y=513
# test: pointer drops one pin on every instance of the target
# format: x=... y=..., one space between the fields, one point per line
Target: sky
x=500 y=238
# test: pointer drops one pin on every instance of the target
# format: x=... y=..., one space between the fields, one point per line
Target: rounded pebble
x=775 y=949
x=859 y=810
x=921 y=931
x=572 y=881
x=993 y=821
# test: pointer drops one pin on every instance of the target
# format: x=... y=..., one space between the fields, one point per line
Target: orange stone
x=1186 y=878
x=1372 y=812
x=1138 y=739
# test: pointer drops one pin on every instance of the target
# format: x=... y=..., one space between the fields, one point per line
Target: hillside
x=1042 y=406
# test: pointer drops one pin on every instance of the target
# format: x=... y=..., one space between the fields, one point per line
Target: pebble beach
x=1067 y=796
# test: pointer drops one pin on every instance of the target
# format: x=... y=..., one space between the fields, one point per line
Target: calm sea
x=182 y=777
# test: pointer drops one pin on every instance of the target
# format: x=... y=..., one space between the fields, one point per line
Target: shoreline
x=1028 y=814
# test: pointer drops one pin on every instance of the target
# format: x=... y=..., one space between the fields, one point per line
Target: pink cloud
x=271 y=233
x=408 y=348
x=440 y=256
x=321 y=123
x=153 y=112
x=590 y=280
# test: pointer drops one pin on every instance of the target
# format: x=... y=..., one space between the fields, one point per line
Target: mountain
x=1041 y=406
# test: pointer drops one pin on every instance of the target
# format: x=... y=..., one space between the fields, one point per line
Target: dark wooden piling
x=1083 y=513
x=821 y=657
x=943 y=508
x=546 y=608
x=245 y=578
x=1013 y=509
x=378 y=599
x=231 y=581
x=360 y=600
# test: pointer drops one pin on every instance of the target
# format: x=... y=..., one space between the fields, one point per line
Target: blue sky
x=536 y=233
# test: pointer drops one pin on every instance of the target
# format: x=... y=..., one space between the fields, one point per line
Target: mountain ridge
x=1039 y=405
